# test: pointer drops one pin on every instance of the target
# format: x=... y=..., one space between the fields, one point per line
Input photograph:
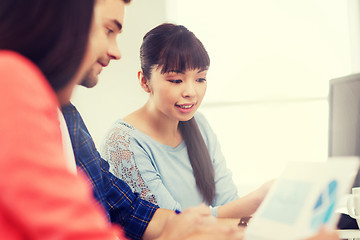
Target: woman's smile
x=185 y=108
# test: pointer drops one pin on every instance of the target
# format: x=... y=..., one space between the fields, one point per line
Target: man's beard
x=90 y=79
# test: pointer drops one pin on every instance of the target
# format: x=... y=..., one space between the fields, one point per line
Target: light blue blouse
x=162 y=174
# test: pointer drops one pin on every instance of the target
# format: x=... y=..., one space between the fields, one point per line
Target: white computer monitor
x=344 y=126
x=344 y=117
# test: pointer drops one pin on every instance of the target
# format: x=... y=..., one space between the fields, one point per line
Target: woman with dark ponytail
x=166 y=151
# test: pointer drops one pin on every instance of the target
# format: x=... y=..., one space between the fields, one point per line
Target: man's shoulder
x=69 y=111
x=72 y=117
x=78 y=131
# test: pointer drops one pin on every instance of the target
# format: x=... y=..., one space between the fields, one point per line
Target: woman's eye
x=175 y=81
x=201 y=80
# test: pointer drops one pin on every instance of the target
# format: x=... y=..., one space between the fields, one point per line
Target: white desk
x=349 y=234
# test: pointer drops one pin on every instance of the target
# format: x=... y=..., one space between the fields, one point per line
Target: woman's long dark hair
x=173 y=47
x=51 y=33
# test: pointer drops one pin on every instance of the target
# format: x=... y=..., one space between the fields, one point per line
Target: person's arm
x=131 y=162
x=195 y=223
x=227 y=201
x=115 y=149
x=247 y=205
x=123 y=206
x=157 y=223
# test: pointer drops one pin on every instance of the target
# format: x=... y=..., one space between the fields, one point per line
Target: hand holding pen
x=197 y=223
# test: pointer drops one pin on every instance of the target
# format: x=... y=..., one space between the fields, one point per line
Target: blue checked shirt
x=122 y=205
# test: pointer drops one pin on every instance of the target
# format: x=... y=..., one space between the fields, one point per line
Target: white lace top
x=162 y=174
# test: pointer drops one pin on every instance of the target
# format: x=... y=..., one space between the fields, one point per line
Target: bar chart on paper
x=325 y=205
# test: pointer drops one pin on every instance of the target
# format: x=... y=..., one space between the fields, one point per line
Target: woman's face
x=177 y=95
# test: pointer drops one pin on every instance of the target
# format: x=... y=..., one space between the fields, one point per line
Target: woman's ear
x=144 y=83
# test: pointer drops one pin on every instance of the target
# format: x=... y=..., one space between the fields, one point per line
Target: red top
x=39 y=197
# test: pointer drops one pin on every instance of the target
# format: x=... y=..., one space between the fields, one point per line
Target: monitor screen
x=344 y=126
x=344 y=119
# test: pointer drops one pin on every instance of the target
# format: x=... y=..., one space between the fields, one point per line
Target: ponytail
x=200 y=160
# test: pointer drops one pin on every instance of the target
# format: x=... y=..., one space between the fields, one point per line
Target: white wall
x=271 y=61
x=268 y=103
x=354 y=29
x=118 y=92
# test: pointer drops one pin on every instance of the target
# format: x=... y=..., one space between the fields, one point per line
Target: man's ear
x=144 y=83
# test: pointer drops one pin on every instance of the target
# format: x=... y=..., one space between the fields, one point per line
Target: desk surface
x=349 y=234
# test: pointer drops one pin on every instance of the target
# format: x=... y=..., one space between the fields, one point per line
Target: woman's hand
x=247 y=205
x=263 y=190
